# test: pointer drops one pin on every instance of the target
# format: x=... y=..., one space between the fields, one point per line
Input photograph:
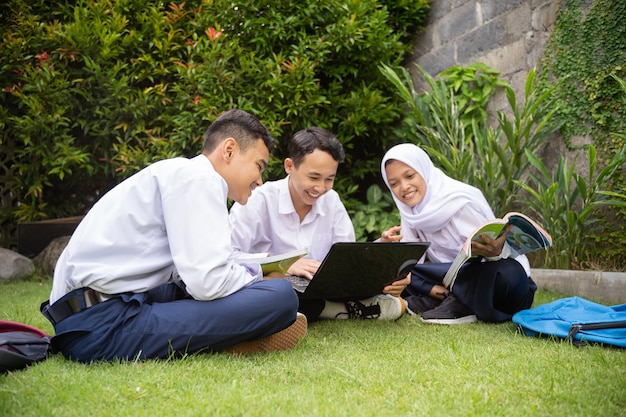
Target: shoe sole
x=396 y=316
x=282 y=340
x=403 y=310
x=460 y=320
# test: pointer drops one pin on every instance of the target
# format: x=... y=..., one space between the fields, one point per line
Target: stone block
x=433 y=63
x=47 y=258
x=438 y=9
x=480 y=41
x=425 y=42
x=607 y=287
x=14 y=266
x=493 y=9
x=517 y=23
x=459 y=21
x=543 y=16
x=459 y=3
x=508 y=59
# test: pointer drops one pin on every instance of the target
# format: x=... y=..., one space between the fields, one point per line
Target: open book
x=525 y=236
x=277 y=263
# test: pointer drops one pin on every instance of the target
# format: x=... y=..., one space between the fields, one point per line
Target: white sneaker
x=381 y=307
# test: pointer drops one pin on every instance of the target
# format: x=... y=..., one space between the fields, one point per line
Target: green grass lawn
x=342 y=368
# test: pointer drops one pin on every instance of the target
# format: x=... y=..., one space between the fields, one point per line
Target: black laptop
x=358 y=270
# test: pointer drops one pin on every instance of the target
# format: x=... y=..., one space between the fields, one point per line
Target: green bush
x=568 y=205
x=377 y=214
x=472 y=86
x=93 y=90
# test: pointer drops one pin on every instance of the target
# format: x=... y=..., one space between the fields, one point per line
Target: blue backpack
x=576 y=319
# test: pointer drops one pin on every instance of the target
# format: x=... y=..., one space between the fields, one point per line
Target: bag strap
x=575 y=328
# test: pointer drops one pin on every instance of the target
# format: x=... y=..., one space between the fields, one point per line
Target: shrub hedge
x=93 y=90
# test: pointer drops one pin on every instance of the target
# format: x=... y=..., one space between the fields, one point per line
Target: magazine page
x=526 y=236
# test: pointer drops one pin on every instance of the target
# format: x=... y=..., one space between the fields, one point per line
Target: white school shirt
x=446 y=242
x=269 y=223
x=168 y=221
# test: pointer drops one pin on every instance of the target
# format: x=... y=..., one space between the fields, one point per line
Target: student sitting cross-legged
x=149 y=272
x=303 y=211
x=443 y=211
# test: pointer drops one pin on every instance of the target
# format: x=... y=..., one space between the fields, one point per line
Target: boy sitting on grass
x=149 y=272
x=303 y=211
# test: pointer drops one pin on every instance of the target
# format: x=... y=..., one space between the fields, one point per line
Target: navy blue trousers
x=163 y=323
x=494 y=291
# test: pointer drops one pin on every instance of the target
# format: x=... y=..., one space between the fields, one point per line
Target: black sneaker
x=450 y=311
x=421 y=303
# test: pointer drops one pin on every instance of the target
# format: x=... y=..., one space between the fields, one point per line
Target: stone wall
x=508 y=35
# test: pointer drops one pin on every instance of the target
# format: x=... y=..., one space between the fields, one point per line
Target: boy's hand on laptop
x=396 y=287
x=304 y=267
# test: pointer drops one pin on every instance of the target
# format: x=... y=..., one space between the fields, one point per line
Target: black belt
x=72 y=303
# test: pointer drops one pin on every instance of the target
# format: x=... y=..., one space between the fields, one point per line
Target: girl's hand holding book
x=490 y=248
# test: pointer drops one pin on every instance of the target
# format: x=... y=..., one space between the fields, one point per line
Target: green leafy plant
x=585 y=53
x=93 y=90
x=567 y=204
x=503 y=152
x=376 y=215
x=622 y=83
x=472 y=86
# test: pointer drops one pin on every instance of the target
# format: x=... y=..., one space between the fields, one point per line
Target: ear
x=288 y=165
x=229 y=146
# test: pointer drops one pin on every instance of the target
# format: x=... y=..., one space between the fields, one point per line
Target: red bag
x=21 y=345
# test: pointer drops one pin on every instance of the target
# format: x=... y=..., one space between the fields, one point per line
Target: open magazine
x=277 y=263
x=525 y=236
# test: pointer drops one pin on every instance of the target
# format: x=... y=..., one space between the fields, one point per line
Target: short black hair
x=239 y=125
x=307 y=140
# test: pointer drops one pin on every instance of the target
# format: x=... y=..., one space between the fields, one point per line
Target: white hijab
x=444 y=197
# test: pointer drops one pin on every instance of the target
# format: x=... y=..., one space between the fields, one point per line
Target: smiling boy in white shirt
x=303 y=211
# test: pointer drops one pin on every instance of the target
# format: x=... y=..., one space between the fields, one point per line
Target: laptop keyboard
x=297 y=282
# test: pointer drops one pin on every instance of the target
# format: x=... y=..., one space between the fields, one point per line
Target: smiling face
x=310 y=180
x=245 y=169
x=405 y=183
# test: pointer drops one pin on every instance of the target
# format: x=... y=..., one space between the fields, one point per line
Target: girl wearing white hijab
x=443 y=211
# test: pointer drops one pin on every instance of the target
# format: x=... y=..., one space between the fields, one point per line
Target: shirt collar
x=285 y=204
